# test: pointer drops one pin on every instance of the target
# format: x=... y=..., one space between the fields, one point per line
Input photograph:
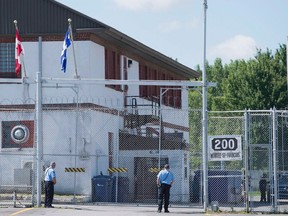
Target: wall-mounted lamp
x=20 y=134
x=129 y=63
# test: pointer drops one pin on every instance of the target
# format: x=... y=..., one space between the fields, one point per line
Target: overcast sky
x=234 y=28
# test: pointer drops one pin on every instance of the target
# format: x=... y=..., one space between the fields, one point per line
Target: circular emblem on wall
x=20 y=134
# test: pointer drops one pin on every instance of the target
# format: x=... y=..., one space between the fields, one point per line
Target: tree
x=256 y=84
x=259 y=83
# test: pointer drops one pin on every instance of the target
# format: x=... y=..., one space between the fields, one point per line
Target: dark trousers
x=164 y=193
x=263 y=195
x=49 y=193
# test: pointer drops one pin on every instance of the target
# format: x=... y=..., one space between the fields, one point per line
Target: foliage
x=256 y=84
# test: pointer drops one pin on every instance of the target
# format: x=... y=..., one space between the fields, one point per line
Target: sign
x=72 y=169
x=225 y=148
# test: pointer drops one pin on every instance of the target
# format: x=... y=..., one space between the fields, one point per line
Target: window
x=7 y=60
x=171 y=98
x=112 y=67
x=143 y=75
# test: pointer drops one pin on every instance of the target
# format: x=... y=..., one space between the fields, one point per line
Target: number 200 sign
x=225 y=148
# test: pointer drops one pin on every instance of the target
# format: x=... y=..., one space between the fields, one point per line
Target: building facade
x=93 y=126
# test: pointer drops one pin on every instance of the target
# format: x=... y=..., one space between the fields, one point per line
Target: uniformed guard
x=165 y=179
x=50 y=181
x=263 y=187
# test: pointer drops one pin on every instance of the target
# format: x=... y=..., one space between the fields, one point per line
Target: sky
x=235 y=29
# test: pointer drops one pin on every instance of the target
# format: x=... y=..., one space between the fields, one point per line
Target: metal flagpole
x=39 y=136
x=204 y=119
x=71 y=34
x=77 y=106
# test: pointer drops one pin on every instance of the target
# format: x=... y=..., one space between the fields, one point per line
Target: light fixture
x=20 y=134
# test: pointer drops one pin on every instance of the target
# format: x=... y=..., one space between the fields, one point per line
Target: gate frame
x=77 y=80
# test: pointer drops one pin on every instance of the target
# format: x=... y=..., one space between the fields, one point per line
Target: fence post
x=274 y=146
x=39 y=136
x=246 y=168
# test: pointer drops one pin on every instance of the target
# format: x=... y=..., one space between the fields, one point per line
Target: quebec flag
x=66 y=44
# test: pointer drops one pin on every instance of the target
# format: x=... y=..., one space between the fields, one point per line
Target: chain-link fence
x=236 y=183
x=114 y=155
x=17 y=157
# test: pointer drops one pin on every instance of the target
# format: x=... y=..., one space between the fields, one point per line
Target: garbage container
x=102 y=188
x=123 y=189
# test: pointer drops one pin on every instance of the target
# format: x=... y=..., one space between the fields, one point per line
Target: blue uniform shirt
x=165 y=177
x=49 y=174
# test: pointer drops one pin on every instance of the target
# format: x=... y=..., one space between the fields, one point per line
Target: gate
x=264 y=147
x=260 y=144
x=225 y=175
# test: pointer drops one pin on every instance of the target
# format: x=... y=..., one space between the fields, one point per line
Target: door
x=145 y=180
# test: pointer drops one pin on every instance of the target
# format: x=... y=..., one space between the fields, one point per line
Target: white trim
x=180 y=83
x=11 y=80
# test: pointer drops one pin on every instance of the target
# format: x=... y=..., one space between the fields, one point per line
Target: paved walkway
x=101 y=210
x=117 y=210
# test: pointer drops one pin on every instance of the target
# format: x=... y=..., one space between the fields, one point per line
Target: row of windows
x=112 y=71
x=170 y=98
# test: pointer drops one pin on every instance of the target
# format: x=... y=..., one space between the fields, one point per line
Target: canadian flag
x=19 y=52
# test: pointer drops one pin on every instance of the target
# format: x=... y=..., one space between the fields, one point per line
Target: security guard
x=50 y=181
x=165 y=179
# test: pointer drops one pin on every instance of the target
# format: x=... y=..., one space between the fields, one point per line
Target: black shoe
x=159 y=211
x=50 y=206
x=166 y=211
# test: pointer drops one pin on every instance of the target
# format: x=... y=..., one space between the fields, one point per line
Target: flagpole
x=15 y=22
x=24 y=70
x=22 y=63
x=204 y=119
x=70 y=30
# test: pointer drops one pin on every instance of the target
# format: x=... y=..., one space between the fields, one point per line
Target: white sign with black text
x=225 y=148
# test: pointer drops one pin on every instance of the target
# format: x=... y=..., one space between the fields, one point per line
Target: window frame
x=7 y=50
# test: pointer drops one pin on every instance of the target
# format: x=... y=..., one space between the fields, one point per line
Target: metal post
x=117 y=156
x=204 y=120
x=76 y=139
x=160 y=119
x=14 y=199
x=40 y=70
x=71 y=33
x=274 y=145
x=39 y=128
x=160 y=129
x=246 y=168
x=39 y=136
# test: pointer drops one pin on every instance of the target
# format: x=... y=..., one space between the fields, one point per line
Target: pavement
x=100 y=210
x=117 y=210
